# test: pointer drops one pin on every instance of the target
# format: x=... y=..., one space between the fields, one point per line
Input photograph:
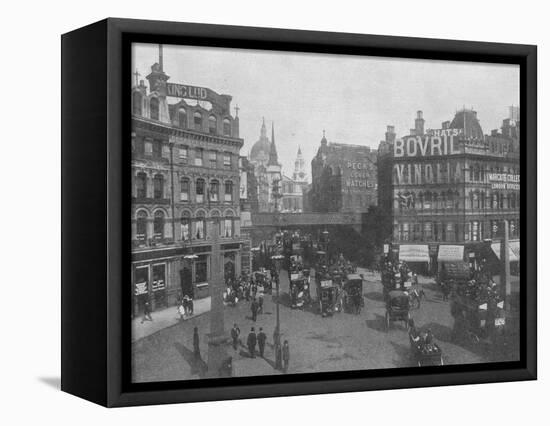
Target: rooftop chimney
x=419 y=124
x=390 y=134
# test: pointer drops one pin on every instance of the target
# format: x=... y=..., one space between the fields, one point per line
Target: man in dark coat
x=254 y=309
x=235 y=333
x=251 y=343
x=261 y=341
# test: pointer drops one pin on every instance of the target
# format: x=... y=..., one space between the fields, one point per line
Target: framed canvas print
x=252 y=212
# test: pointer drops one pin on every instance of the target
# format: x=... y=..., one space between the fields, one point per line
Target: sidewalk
x=166 y=318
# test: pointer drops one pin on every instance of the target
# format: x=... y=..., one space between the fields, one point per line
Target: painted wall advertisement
x=414 y=253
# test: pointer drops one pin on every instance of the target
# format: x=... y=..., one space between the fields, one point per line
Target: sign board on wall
x=386 y=248
x=141 y=288
x=414 y=253
x=450 y=253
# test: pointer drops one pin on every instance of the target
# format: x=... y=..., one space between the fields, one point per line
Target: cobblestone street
x=341 y=342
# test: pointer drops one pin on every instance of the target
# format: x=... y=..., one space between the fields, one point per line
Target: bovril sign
x=438 y=143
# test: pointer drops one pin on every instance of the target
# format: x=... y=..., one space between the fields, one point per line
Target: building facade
x=451 y=186
x=343 y=178
x=185 y=181
x=267 y=170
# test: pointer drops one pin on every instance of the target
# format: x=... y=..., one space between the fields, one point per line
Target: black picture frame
x=95 y=204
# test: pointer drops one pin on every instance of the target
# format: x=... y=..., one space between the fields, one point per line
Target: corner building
x=185 y=171
x=452 y=185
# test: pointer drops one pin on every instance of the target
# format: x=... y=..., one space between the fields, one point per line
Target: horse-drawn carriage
x=299 y=290
x=353 y=294
x=397 y=308
x=328 y=296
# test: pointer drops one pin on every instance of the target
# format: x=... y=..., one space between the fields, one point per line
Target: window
x=428 y=201
x=512 y=229
x=184 y=189
x=200 y=226
x=198 y=156
x=467 y=231
x=141 y=226
x=227 y=229
x=201 y=269
x=213 y=159
x=157 y=149
x=136 y=104
x=197 y=120
x=214 y=191
x=141 y=185
x=227 y=161
x=185 y=226
x=428 y=231
x=159 y=277
x=158 y=187
x=158 y=225
x=226 y=127
x=200 y=191
x=417 y=232
x=154 y=108
x=475 y=230
x=183 y=154
x=405 y=232
x=182 y=118
x=212 y=125
x=495 y=228
x=450 y=232
x=228 y=191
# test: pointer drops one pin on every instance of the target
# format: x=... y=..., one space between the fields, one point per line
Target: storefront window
x=159 y=277
x=201 y=269
x=141 y=281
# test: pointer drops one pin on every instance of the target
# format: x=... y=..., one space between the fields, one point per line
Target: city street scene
x=298 y=213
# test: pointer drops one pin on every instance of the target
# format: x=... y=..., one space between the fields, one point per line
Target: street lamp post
x=277 y=335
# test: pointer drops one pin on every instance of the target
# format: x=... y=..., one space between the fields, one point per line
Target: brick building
x=451 y=186
x=344 y=178
x=185 y=178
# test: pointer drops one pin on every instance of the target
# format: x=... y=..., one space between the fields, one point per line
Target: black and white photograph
x=305 y=213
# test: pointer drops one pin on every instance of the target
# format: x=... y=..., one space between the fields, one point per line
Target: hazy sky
x=353 y=98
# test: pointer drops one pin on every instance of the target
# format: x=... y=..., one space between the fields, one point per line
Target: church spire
x=263 y=131
x=273 y=160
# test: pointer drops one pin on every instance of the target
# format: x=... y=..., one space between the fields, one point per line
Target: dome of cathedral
x=261 y=148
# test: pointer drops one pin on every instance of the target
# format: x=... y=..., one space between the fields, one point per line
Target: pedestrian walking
x=251 y=343
x=196 y=349
x=191 y=305
x=261 y=303
x=286 y=356
x=146 y=312
x=254 y=309
x=261 y=341
x=235 y=333
x=181 y=310
x=186 y=304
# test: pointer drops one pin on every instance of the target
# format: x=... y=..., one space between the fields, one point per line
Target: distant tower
x=273 y=158
x=299 y=174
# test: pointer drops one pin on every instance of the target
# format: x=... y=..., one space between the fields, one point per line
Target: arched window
x=158 y=225
x=228 y=191
x=136 y=104
x=199 y=190
x=141 y=185
x=227 y=228
x=158 y=187
x=185 y=226
x=197 y=120
x=141 y=226
x=214 y=191
x=226 y=127
x=200 y=226
x=184 y=189
x=212 y=125
x=182 y=118
x=154 y=108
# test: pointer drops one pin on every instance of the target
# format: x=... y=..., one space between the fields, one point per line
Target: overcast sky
x=353 y=98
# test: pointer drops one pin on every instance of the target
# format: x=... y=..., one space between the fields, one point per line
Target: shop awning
x=414 y=253
x=513 y=247
x=450 y=253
